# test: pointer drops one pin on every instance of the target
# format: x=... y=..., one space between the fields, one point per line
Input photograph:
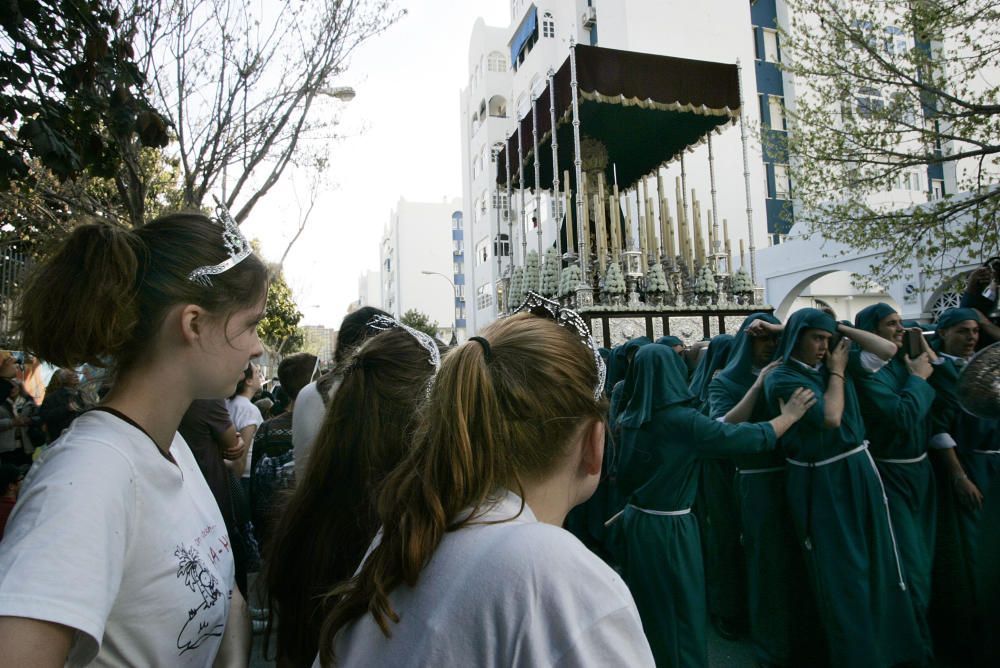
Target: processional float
x=614 y=118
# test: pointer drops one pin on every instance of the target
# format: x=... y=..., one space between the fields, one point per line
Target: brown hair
x=102 y=295
x=295 y=372
x=486 y=426
x=330 y=519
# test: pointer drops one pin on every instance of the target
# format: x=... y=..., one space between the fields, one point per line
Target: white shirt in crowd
x=111 y=538
x=519 y=593
x=243 y=413
x=310 y=411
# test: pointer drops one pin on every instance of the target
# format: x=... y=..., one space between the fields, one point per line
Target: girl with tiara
x=116 y=553
x=331 y=519
x=471 y=567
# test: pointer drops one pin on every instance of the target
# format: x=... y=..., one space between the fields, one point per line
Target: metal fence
x=14 y=265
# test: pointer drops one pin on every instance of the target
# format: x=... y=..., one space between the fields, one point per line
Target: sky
x=402 y=139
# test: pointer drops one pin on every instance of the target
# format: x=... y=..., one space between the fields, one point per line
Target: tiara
x=536 y=304
x=383 y=323
x=236 y=245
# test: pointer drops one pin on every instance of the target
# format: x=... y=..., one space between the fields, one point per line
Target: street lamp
x=342 y=93
x=454 y=291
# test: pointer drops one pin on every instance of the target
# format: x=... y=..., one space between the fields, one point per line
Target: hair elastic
x=487 y=351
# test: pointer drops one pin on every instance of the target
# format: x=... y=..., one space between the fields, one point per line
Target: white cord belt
x=885 y=499
x=986 y=452
x=662 y=513
x=914 y=460
x=830 y=460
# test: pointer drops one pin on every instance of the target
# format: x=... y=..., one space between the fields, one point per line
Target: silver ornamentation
x=539 y=305
x=237 y=247
x=384 y=323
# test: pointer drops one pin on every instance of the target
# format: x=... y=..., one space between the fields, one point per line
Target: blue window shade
x=523 y=34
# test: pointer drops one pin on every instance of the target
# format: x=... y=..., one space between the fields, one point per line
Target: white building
x=508 y=65
x=538 y=38
x=369 y=289
x=422 y=264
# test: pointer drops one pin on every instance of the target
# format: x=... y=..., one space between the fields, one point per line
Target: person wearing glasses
x=472 y=567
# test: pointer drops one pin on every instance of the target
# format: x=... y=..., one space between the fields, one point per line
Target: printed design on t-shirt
x=200 y=624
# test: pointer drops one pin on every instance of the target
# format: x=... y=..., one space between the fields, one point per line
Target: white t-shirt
x=307 y=418
x=243 y=413
x=518 y=593
x=111 y=538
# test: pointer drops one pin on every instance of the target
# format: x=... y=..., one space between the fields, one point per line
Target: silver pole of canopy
x=555 y=161
x=746 y=176
x=538 y=179
x=578 y=162
x=520 y=188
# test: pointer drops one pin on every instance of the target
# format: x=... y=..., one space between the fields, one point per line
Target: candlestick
x=569 y=214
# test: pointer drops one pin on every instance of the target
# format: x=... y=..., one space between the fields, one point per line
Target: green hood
x=801 y=320
x=714 y=359
x=656 y=379
x=869 y=317
x=739 y=369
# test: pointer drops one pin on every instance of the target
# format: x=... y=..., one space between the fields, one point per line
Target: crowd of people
x=521 y=499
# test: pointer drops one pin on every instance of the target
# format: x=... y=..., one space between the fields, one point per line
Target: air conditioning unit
x=589 y=17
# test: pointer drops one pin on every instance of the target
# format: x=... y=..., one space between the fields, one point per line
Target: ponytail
x=102 y=296
x=484 y=428
x=80 y=306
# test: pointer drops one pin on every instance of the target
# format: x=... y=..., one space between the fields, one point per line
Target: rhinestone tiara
x=236 y=245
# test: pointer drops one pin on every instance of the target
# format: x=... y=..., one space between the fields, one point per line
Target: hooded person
x=784 y=628
x=586 y=521
x=664 y=438
x=966 y=453
x=837 y=500
x=717 y=510
x=896 y=407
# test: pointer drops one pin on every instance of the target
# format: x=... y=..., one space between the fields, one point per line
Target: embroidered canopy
x=640 y=109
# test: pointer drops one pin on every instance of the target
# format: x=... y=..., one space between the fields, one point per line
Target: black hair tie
x=487 y=351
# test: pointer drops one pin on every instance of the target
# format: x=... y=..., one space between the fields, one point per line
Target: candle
x=681 y=225
x=729 y=248
x=602 y=227
x=629 y=241
x=661 y=195
x=640 y=205
x=742 y=256
x=585 y=235
x=569 y=214
x=654 y=252
x=616 y=230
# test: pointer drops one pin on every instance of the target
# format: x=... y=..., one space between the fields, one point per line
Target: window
x=497 y=62
x=483 y=250
x=548 y=25
x=484 y=297
x=937 y=188
x=772 y=48
x=458 y=267
x=776 y=108
x=498 y=107
x=500 y=202
x=895 y=41
x=556 y=208
x=459 y=291
x=782 y=184
x=756 y=42
x=869 y=101
x=915 y=182
x=504 y=246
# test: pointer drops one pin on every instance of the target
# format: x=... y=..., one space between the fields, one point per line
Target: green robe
x=664 y=438
x=896 y=408
x=784 y=626
x=586 y=521
x=841 y=520
x=717 y=509
x=956 y=599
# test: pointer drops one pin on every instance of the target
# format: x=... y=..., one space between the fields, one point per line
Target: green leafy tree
x=420 y=321
x=279 y=330
x=73 y=99
x=886 y=90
